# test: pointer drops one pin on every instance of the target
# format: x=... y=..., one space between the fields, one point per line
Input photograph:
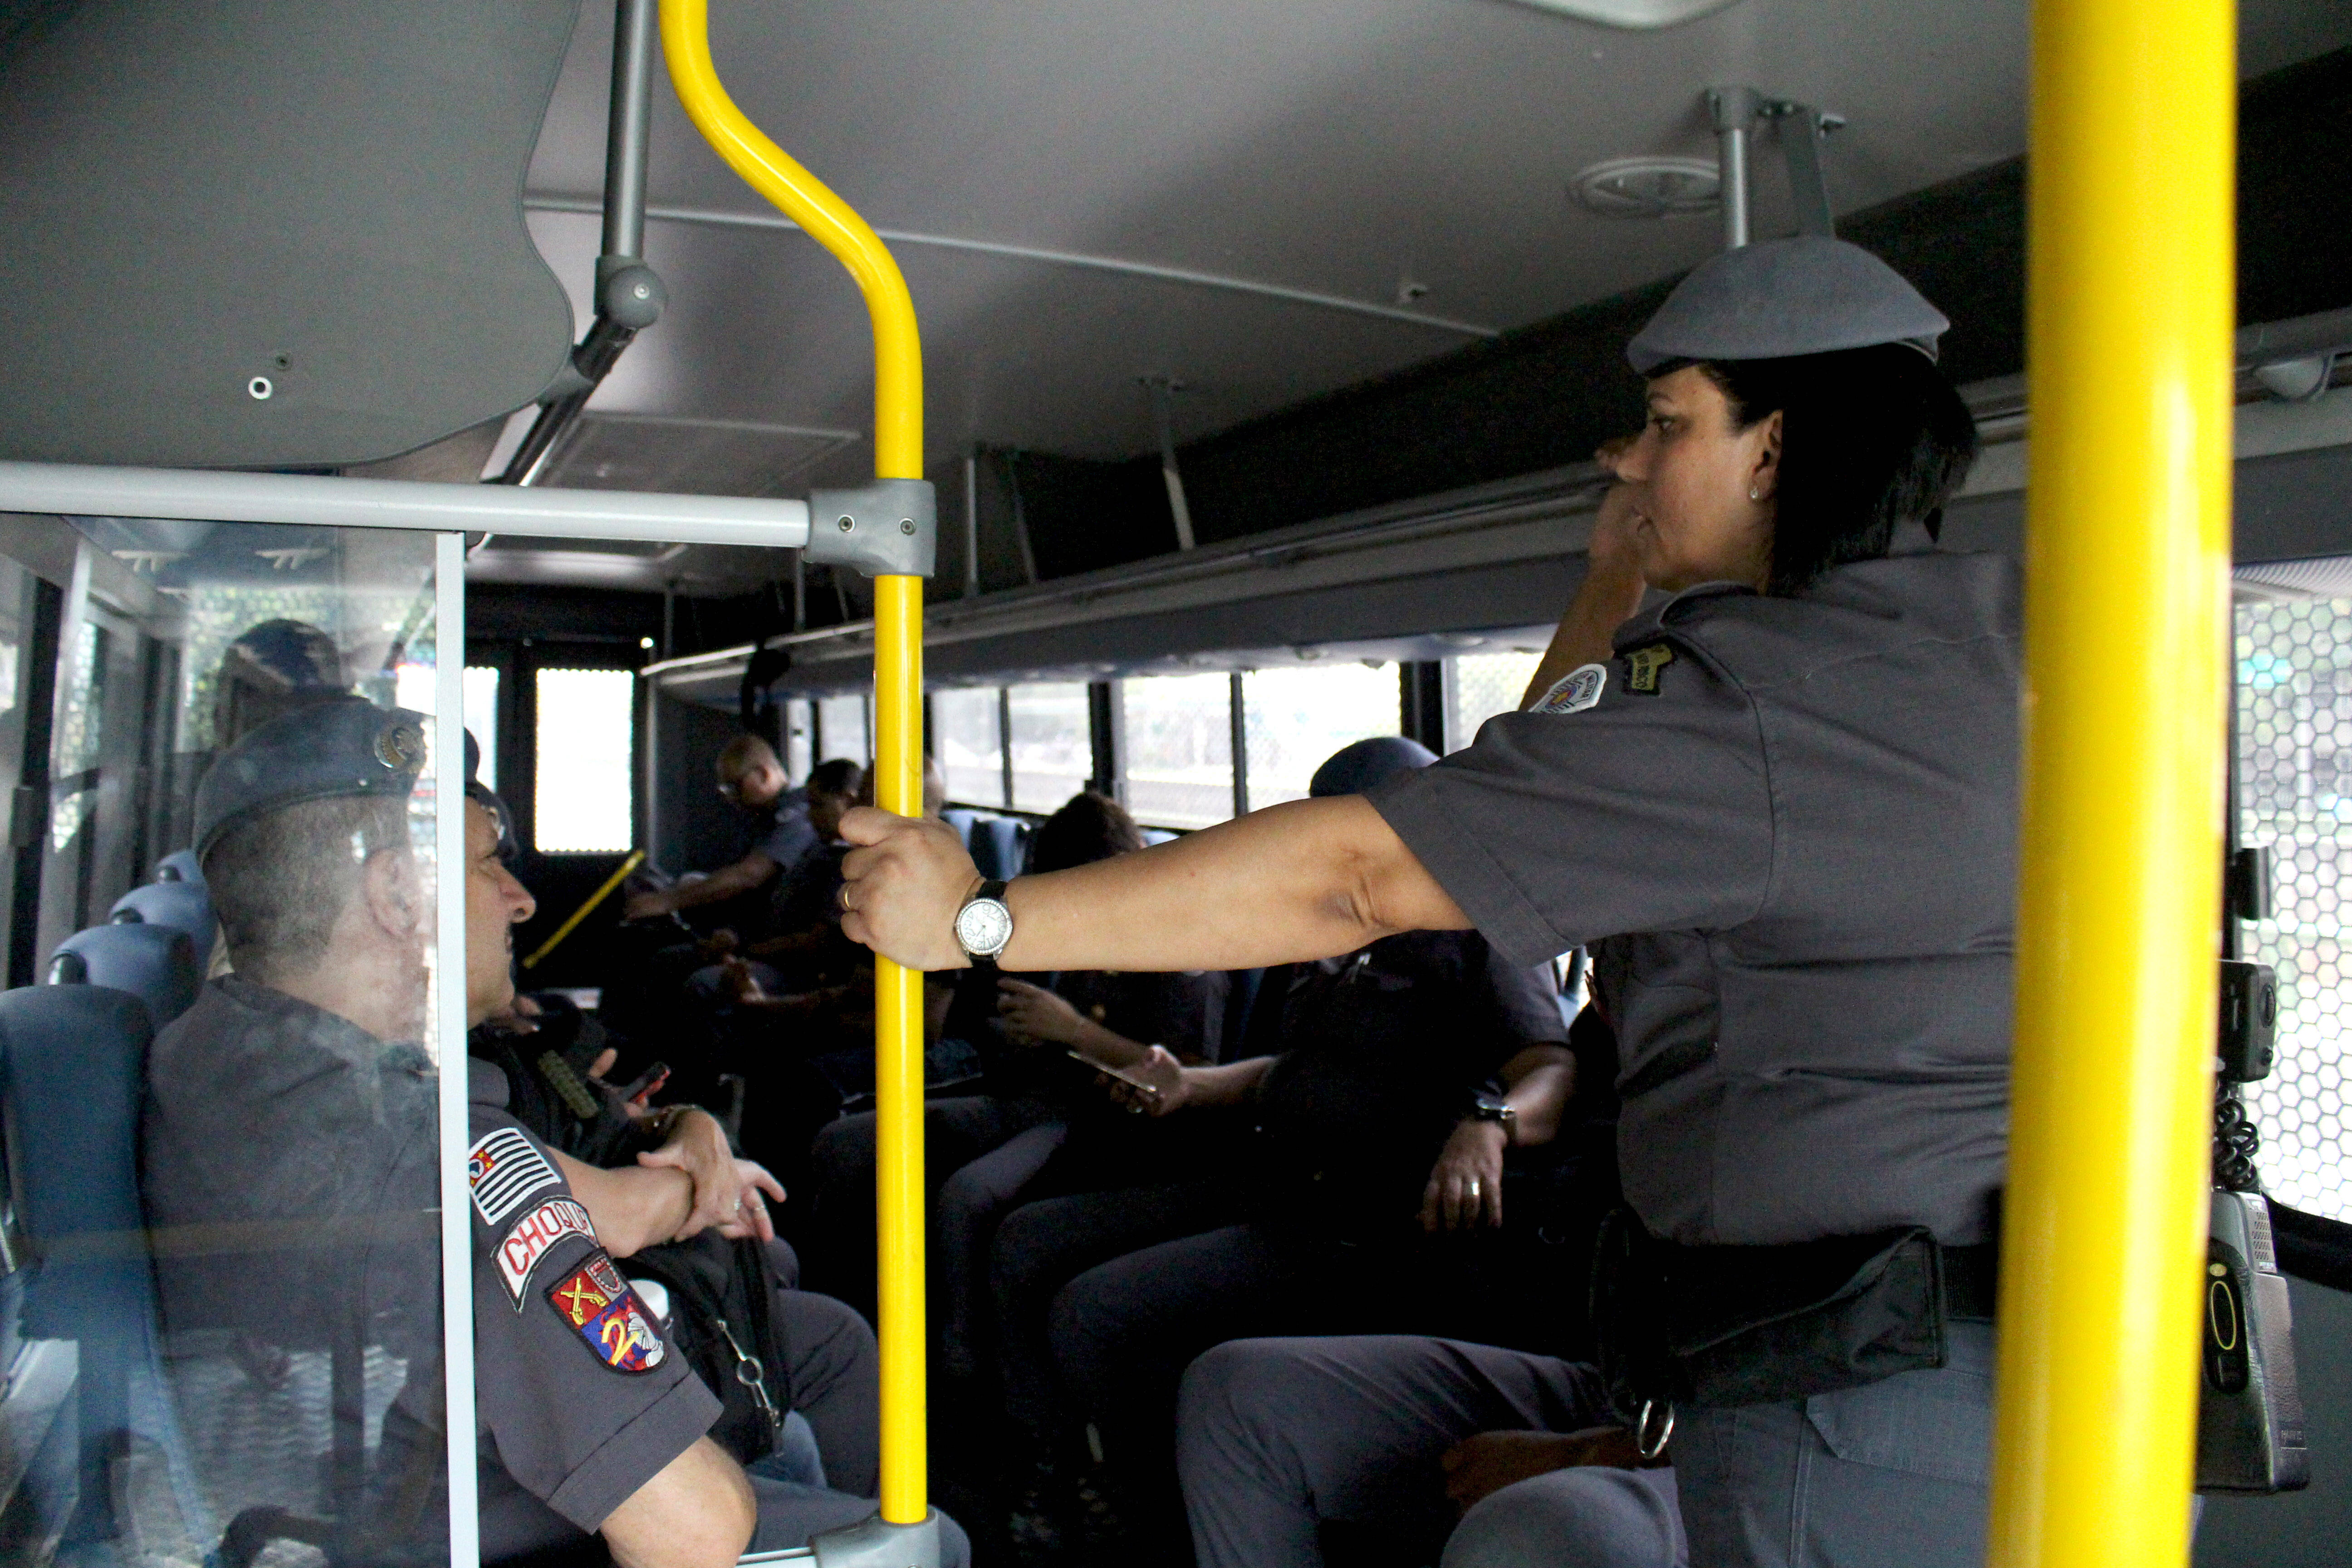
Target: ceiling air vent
x=1647 y=187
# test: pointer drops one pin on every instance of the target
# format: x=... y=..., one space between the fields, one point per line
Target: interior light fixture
x=1643 y=14
x=1648 y=187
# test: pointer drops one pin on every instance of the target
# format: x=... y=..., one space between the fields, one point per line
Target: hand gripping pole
x=889 y=533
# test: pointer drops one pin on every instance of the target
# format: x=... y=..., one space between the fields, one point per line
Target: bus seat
x=996 y=847
x=960 y=818
x=156 y=964
x=1158 y=835
x=72 y=1059
x=183 y=906
x=179 y=866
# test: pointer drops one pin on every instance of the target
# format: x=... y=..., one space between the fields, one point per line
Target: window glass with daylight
x=2295 y=794
x=967 y=738
x=799 y=739
x=1480 y=685
x=482 y=718
x=269 y=1136
x=586 y=738
x=1178 y=763
x=1297 y=717
x=841 y=729
x=1052 y=741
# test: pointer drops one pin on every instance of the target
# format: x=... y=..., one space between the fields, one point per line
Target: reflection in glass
x=1052 y=741
x=269 y=1135
x=1179 y=739
x=1295 y=718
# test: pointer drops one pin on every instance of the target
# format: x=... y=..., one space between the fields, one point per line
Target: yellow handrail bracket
x=2130 y=314
x=898 y=727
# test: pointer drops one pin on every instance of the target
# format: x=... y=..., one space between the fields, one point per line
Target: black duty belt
x=1971 y=1280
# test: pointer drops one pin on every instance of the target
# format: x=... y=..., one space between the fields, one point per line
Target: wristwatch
x=1496 y=1108
x=984 y=925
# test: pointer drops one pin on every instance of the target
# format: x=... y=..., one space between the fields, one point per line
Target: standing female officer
x=1787 y=802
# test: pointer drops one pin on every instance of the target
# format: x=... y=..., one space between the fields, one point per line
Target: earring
x=1752 y=493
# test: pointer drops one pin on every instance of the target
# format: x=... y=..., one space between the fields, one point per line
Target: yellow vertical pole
x=2131 y=237
x=898 y=726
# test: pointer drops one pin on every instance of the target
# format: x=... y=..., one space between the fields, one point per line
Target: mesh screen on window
x=1179 y=761
x=1052 y=741
x=966 y=740
x=2294 y=794
x=1480 y=685
x=1297 y=717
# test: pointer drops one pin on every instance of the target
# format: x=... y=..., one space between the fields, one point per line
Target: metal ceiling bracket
x=1802 y=127
x=629 y=294
x=889 y=528
x=1734 y=111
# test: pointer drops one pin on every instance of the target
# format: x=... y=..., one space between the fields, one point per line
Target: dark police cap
x=1778 y=298
x=1359 y=765
x=347 y=747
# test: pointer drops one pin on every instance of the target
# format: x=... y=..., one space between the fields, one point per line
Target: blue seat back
x=183 y=906
x=179 y=866
x=73 y=1061
x=996 y=847
x=960 y=819
x=156 y=964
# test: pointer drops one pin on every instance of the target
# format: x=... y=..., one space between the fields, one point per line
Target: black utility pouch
x=1757 y=1325
x=723 y=1321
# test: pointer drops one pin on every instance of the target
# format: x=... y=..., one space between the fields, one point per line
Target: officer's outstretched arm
x=697 y=1513
x=1309 y=879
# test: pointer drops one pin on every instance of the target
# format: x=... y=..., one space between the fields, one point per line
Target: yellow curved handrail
x=898 y=727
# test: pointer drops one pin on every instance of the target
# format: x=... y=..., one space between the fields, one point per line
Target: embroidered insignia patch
x=597 y=1302
x=502 y=1169
x=1646 y=664
x=1574 y=692
x=533 y=1235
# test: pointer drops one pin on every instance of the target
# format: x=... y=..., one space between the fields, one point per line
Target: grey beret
x=348 y=746
x=1781 y=297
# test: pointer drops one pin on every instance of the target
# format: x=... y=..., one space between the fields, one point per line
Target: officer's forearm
x=1226 y=1085
x=632 y=1207
x=1606 y=599
x=724 y=883
x=1540 y=1081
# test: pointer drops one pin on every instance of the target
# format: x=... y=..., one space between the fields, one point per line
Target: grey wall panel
x=325 y=195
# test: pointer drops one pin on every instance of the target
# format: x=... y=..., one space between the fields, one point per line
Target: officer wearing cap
x=1781 y=799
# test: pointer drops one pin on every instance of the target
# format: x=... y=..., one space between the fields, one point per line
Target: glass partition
x=1052 y=742
x=222 y=1303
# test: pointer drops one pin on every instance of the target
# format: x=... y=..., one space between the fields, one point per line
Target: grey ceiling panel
x=201 y=199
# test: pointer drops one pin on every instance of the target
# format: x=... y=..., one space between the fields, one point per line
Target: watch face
x=983 y=926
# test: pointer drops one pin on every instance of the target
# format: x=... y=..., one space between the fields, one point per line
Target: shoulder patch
x=602 y=1310
x=1644 y=664
x=533 y=1235
x=503 y=1168
x=1574 y=692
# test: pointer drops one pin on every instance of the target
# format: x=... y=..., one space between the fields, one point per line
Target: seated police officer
x=294 y=1093
x=751 y=777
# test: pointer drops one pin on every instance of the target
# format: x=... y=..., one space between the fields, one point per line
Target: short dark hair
x=1870 y=438
x=840 y=776
x=281 y=880
x=1088 y=827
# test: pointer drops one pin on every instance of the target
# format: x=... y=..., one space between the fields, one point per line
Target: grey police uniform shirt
x=788 y=834
x=286 y=1170
x=1795 y=821
x=579 y=1399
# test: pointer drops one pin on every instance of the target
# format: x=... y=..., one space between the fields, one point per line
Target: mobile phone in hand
x=1109 y=1071
x=647 y=1085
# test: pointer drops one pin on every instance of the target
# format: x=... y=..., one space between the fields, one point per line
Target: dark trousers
x=1042 y=1246
x=1123 y=1333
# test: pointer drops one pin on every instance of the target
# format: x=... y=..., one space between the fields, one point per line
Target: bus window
x=1296 y=718
x=1480 y=685
x=1052 y=750
x=222 y=1258
x=968 y=739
